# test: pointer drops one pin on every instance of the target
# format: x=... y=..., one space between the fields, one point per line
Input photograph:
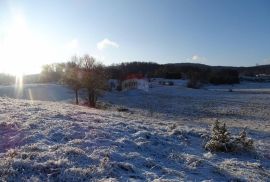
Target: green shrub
x=242 y=142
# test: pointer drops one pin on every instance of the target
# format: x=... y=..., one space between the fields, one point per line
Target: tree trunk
x=91 y=99
x=77 y=100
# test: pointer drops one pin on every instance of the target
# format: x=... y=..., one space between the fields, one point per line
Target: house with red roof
x=135 y=81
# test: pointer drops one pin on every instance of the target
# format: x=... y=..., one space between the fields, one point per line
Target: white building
x=135 y=83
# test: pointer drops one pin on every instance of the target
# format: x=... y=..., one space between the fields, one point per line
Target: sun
x=21 y=49
x=16 y=46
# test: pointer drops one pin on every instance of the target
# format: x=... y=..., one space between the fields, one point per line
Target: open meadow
x=136 y=135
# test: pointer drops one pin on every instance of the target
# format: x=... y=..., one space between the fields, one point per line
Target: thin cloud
x=197 y=59
x=266 y=61
x=106 y=43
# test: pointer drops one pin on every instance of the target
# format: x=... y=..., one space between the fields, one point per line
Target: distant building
x=263 y=77
x=256 y=78
x=135 y=81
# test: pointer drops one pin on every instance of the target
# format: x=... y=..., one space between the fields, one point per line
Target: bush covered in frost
x=221 y=140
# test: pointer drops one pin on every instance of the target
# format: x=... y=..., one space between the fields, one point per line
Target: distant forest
x=194 y=72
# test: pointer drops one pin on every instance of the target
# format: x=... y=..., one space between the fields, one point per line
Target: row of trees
x=78 y=73
x=199 y=76
x=85 y=72
x=196 y=73
x=6 y=79
x=120 y=71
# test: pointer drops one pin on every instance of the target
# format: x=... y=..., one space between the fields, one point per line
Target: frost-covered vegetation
x=79 y=73
x=157 y=135
x=222 y=141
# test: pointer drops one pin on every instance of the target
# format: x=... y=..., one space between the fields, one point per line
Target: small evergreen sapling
x=221 y=141
x=242 y=142
x=220 y=138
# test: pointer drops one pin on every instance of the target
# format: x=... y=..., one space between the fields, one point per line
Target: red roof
x=134 y=76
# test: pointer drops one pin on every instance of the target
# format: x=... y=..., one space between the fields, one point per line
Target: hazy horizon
x=223 y=33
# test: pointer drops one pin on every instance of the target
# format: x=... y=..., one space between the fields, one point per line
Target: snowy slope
x=52 y=141
x=47 y=92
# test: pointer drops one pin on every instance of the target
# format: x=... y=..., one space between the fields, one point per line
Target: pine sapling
x=221 y=141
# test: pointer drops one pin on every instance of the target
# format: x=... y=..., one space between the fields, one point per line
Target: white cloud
x=196 y=58
x=106 y=43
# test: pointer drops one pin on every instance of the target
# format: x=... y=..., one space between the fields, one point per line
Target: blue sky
x=215 y=32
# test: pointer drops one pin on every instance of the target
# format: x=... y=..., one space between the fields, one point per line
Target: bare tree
x=73 y=76
x=52 y=72
x=93 y=79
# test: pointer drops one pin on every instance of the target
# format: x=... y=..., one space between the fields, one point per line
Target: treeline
x=53 y=73
x=150 y=69
x=255 y=70
x=6 y=79
x=197 y=74
x=122 y=70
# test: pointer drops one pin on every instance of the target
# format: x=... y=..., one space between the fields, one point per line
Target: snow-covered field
x=198 y=105
x=43 y=92
x=160 y=137
x=244 y=87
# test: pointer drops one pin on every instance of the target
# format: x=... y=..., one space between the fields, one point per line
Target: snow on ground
x=197 y=105
x=244 y=87
x=159 y=138
x=43 y=92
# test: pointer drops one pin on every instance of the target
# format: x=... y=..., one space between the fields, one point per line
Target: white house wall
x=135 y=84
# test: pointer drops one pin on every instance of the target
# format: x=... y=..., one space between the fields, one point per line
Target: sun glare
x=22 y=51
x=15 y=45
x=19 y=80
x=19 y=85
